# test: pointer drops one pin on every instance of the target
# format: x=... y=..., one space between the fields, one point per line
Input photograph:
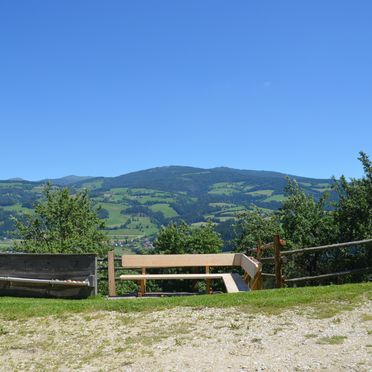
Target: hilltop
x=136 y=204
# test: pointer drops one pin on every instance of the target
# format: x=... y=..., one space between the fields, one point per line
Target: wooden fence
x=277 y=246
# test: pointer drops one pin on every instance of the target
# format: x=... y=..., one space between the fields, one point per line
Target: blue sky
x=108 y=87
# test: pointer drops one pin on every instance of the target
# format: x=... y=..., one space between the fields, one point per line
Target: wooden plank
x=230 y=284
x=249 y=265
x=314 y=249
x=56 y=282
x=181 y=260
x=111 y=274
x=208 y=281
x=268 y=274
x=143 y=283
x=331 y=275
x=278 y=263
x=240 y=283
x=170 y=276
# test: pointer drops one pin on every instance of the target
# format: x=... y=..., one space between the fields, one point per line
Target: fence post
x=278 y=262
x=111 y=273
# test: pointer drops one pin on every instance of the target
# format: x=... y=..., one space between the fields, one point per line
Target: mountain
x=67 y=180
x=136 y=204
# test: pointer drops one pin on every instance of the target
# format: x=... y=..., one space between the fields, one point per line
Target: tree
x=253 y=227
x=353 y=213
x=62 y=223
x=305 y=221
x=183 y=238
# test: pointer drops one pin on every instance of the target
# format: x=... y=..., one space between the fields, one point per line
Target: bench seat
x=233 y=282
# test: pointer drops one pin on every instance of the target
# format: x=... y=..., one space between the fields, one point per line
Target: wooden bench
x=233 y=282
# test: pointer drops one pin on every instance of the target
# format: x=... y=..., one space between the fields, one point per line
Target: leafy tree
x=253 y=227
x=183 y=238
x=62 y=223
x=305 y=221
x=353 y=213
x=353 y=218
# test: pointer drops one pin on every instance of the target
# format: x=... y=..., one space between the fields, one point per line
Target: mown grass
x=337 y=298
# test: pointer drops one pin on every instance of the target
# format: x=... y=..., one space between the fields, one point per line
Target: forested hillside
x=135 y=205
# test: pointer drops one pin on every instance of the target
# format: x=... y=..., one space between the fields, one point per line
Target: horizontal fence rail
x=315 y=249
x=278 y=260
x=332 y=275
x=323 y=247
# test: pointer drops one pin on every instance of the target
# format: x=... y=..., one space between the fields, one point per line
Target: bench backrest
x=249 y=264
x=181 y=260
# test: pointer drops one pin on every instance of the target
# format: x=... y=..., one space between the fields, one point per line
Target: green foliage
x=62 y=223
x=354 y=210
x=255 y=226
x=305 y=221
x=167 y=194
x=182 y=238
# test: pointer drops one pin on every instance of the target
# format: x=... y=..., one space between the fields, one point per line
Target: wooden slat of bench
x=240 y=283
x=181 y=260
x=250 y=265
x=170 y=276
x=230 y=284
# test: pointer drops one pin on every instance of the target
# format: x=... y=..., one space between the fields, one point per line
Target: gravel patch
x=190 y=339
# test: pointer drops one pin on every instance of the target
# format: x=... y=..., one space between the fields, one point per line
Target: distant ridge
x=137 y=204
x=67 y=180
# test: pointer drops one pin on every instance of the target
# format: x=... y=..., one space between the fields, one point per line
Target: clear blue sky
x=108 y=87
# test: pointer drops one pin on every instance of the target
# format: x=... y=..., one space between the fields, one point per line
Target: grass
x=166 y=209
x=366 y=317
x=17 y=208
x=332 y=340
x=276 y=197
x=261 y=193
x=265 y=301
x=115 y=217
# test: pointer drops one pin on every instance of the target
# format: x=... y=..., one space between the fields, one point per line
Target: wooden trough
x=48 y=275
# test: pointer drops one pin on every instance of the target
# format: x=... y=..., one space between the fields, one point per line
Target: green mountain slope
x=135 y=205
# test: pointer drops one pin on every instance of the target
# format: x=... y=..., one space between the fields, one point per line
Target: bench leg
x=208 y=281
x=143 y=284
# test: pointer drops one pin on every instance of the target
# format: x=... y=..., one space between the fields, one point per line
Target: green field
x=276 y=197
x=17 y=208
x=166 y=209
x=261 y=193
x=115 y=217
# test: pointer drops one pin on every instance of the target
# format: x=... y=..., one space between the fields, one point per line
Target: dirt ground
x=190 y=339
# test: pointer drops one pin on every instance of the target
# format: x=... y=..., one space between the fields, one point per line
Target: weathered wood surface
x=240 y=284
x=170 y=276
x=323 y=247
x=250 y=265
x=54 y=282
x=181 y=260
x=233 y=282
x=330 y=275
x=111 y=273
x=49 y=267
